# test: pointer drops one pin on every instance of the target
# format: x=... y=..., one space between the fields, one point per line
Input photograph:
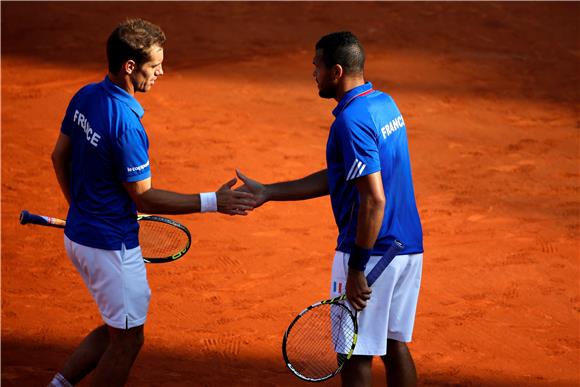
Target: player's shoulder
x=356 y=112
x=378 y=96
x=88 y=89
x=126 y=125
x=84 y=97
x=354 y=123
x=382 y=104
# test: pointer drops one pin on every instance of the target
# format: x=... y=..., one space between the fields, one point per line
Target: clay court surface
x=490 y=96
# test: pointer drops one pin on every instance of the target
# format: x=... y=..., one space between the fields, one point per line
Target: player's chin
x=326 y=94
x=145 y=87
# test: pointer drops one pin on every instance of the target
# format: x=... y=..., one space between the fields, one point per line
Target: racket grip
x=386 y=259
x=26 y=217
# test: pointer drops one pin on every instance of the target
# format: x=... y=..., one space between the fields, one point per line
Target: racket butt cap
x=24 y=217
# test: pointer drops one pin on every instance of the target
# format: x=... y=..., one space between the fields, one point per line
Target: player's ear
x=337 y=71
x=129 y=66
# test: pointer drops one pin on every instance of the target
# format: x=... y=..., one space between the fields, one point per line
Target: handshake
x=239 y=201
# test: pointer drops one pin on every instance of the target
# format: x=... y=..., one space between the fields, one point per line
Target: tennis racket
x=161 y=239
x=323 y=336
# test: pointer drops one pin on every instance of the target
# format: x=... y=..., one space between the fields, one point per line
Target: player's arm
x=308 y=187
x=369 y=222
x=371 y=209
x=61 y=159
x=134 y=170
x=156 y=201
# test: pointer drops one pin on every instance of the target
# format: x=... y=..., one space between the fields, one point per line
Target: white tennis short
x=117 y=280
x=390 y=312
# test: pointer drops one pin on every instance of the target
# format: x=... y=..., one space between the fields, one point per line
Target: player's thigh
x=117 y=280
x=373 y=320
x=404 y=299
x=134 y=276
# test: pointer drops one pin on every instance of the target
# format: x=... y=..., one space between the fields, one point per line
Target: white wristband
x=208 y=201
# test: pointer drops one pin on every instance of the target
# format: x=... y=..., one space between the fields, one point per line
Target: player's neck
x=123 y=81
x=347 y=84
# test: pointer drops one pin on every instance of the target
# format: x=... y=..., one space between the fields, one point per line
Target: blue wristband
x=359 y=258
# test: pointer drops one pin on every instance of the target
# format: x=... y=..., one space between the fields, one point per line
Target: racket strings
x=159 y=239
x=320 y=340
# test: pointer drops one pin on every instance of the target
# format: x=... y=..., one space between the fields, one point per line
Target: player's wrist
x=208 y=202
x=359 y=257
x=267 y=192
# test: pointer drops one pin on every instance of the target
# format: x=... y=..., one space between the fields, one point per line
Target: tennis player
x=102 y=165
x=368 y=177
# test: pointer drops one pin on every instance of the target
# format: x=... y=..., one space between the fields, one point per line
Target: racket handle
x=386 y=259
x=26 y=217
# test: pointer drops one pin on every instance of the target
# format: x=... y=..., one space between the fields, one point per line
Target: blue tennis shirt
x=109 y=147
x=368 y=136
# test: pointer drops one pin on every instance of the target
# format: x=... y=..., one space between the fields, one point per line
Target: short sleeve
x=360 y=149
x=132 y=152
x=68 y=120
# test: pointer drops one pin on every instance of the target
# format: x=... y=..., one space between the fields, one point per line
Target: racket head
x=161 y=239
x=320 y=340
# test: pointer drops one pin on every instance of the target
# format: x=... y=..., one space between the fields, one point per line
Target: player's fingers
x=242 y=177
x=243 y=195
x=237 y=212
x=229 y=184
x=359 y=304
x=243 y=207
x=238 y=205
x=247 y=202
x=363 y=303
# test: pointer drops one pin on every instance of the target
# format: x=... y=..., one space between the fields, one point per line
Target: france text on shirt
x=91 y=136
x=392 y=126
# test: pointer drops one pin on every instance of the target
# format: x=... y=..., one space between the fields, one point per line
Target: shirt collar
x=351 y=95
x=123 y=96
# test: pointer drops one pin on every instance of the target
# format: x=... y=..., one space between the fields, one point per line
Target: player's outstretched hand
x=234 y=202
x=357 y=289
x=254 y=187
